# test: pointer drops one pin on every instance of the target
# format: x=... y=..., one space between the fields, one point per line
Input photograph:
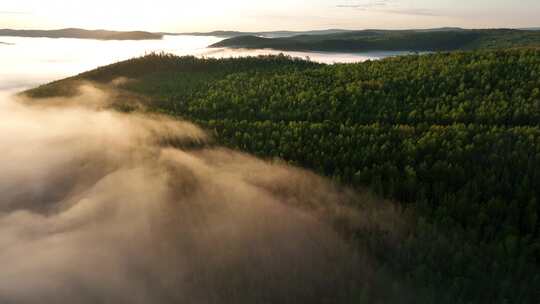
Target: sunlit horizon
x=242 y=15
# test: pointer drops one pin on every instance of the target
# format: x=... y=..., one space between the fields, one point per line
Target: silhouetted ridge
x=82 y=34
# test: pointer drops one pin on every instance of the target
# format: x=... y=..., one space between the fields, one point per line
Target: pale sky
x=256 y=15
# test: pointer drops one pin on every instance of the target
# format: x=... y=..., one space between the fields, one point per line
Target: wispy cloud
x=387 y=6
x=415 y=12
x=365 y=5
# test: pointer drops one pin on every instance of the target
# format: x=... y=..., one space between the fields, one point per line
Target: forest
x=450 y=39
x=452 y=138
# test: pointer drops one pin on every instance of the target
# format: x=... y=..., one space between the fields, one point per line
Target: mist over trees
x=431 y=40
x=453 y=138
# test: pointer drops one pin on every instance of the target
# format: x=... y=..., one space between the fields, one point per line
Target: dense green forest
x=388 y=40
x=453 y=138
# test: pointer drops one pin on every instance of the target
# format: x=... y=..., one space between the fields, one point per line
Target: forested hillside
x=391 y=40
x=454 y=138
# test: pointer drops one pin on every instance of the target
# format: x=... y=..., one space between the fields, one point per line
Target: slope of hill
x=282 y=34
x=383 y=40
x=141 y=35
x=453 y=137
x=268 y=34
x=82 y=34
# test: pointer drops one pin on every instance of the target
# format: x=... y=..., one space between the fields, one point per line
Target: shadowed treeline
x=392 y=40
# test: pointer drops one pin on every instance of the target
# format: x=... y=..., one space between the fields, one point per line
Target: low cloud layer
x=96 y=208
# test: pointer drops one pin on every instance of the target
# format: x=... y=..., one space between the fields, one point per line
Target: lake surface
x=28 y=62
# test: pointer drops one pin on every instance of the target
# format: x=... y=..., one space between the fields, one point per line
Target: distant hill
x=445 y=39
x=5 y=43
x=224 y=34
x=141 y=35
x=284 y=34
x=82 y=34
x=269 y=34
x=442 y=29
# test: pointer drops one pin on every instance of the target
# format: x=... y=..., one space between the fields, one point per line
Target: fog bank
x=94 y=208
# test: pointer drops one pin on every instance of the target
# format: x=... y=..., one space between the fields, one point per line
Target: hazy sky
x=204 y=15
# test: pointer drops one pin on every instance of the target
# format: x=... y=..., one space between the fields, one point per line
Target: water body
x=28 y=62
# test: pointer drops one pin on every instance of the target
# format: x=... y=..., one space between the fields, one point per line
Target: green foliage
x=383 y=40
x=454 y=137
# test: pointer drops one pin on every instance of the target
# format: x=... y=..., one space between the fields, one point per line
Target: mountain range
x=82 y=34
x=431 y=40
